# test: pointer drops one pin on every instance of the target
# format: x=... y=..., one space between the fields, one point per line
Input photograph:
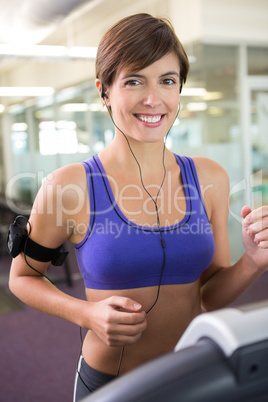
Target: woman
x=149 y=227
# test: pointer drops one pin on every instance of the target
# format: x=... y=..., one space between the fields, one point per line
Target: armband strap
x=18 y=241
x=43 y=254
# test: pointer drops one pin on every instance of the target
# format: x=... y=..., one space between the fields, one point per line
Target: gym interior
x=51 y=115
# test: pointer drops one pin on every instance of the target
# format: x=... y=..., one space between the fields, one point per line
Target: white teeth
x=151 y=119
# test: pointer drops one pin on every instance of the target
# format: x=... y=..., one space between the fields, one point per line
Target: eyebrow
x=142 y=76
x=170 y=73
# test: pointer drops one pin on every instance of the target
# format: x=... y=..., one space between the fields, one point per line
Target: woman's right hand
x=117 y=321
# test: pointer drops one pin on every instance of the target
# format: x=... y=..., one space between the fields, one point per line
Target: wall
x=219 y=21
x=235 y=20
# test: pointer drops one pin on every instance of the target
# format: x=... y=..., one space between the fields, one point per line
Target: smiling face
x=144 y=103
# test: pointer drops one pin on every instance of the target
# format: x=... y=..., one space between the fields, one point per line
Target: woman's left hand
x=255 y=235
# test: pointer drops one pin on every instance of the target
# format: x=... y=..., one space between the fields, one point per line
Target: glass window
x=259 y=147
x=71 y=128
x=20 y=148
x=19 y=133
x=257 y=60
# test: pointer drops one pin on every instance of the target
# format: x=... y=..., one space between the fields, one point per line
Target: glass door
x=256 y=142
x=259 y=147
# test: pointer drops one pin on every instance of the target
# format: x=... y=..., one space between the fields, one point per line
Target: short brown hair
x=135 y=42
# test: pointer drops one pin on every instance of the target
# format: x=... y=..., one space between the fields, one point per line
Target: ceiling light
x=82 y=52
x=38 y=50
x=19 y=127
x=65 y=125
x=216 y=111
x=26 y=91
x=96 y=107
x=193 y=92
x=74 y=107
x=210 y=96
x=82 y=107
x=77 y=52
x=196 y=106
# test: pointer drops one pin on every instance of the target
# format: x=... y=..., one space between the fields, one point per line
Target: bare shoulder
x=61 y=200
x=66 y=182
x=210 y=172
x=67 y=175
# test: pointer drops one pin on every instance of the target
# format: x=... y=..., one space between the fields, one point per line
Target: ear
x=103 y=95
x=98 y=85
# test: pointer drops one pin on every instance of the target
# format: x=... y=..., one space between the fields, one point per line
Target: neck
x=148 y=155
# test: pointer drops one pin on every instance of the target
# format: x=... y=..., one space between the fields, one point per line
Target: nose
x=152 y=97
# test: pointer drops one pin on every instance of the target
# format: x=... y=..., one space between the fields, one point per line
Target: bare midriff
x=176 y=307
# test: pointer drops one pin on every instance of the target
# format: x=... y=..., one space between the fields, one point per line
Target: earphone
x=103 y=94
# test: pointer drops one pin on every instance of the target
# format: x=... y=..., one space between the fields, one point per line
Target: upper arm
x=55 y=213
x=214 y=182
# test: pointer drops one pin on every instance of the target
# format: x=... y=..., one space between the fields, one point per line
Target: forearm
x=227 y=284
x=39 y=293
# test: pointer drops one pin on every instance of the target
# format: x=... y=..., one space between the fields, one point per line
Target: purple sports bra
x=116 y=253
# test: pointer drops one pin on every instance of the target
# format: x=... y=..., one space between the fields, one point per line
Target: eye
x=132 y=83
x=169 y=81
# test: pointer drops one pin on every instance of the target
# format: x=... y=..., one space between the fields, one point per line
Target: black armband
x=18 y=241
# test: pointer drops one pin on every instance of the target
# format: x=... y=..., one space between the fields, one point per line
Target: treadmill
x=222 y=356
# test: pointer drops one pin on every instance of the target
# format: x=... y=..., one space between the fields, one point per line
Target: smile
x=149 y=119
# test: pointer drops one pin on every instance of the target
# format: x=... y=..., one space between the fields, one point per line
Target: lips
x=149 y=118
